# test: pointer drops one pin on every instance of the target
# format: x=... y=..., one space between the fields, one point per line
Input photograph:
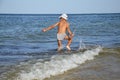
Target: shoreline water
x=26 y=51
x=57 y=64
x=104 y=67
x=100 y=68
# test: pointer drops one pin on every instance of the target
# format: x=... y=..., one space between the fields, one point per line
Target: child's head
x=64 y=16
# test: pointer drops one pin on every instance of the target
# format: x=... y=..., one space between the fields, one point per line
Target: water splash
x=81 y=45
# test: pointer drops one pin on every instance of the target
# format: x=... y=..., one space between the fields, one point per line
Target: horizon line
x=67 y=13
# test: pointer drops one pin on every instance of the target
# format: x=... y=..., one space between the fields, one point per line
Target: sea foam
x=58 y=64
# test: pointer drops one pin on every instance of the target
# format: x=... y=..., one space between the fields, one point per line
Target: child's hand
x=44 y=30
x=71 y=36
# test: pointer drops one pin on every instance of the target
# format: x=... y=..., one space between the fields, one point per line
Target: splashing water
x=81 y=45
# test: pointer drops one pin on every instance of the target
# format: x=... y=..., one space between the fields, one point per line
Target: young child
x=63 y=26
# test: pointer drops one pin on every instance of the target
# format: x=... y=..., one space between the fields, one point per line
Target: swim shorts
x=61 y=36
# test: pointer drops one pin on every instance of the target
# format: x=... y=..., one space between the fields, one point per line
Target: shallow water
x=26 y=52
x=39 y=69
x=104 y=67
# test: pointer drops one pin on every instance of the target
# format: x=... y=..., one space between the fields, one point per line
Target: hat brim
x=63 y=17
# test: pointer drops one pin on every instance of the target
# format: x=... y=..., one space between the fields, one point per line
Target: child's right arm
x=50 y=27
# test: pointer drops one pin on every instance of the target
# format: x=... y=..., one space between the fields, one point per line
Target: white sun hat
x=64 y=16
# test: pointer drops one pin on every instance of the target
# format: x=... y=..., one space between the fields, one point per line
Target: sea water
x=26 y=53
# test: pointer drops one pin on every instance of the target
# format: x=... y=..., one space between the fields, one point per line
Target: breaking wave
x=58 y=64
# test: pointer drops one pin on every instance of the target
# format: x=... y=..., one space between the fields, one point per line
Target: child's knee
x=69 y=38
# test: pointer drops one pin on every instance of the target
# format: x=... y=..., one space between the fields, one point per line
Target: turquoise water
x=22 y=43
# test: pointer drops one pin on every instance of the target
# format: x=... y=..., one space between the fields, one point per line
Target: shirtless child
x=63 y=26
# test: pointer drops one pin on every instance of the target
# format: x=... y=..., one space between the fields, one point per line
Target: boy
x=63 y=26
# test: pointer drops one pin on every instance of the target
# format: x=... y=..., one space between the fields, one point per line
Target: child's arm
x=69 y=31
x=50 y=27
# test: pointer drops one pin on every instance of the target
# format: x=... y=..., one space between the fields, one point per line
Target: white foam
x=57 y=65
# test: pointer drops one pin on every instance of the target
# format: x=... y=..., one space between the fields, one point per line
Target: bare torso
x=62 y=26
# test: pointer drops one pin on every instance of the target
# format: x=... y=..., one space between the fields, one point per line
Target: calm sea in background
x=26 y=53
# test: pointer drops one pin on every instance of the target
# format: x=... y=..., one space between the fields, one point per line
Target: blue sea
x=27 y=53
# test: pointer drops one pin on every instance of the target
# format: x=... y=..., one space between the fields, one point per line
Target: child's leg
x=69 y=42
x=59 y=45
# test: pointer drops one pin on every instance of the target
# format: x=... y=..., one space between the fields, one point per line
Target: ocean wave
x=57 y=64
